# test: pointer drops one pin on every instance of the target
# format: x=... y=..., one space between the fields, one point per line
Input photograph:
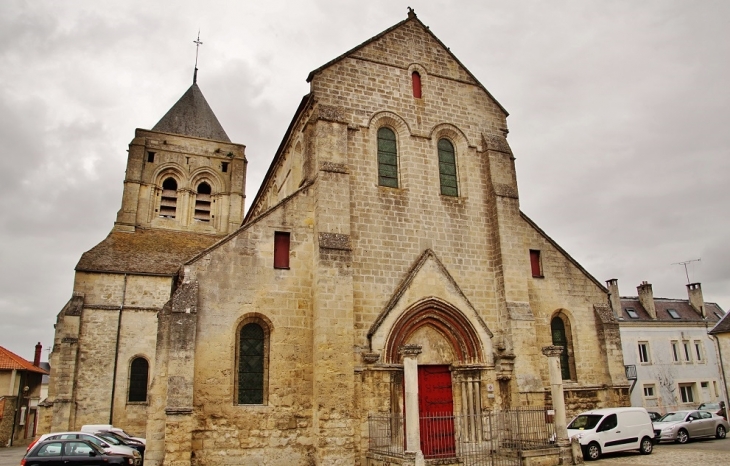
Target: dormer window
x=168 y=202
x=202 y=202
x=673 y=314
x=632 y=313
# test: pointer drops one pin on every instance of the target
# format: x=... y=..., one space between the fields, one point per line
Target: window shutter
x=535 y=263
x=281 y=250
x=416 y=80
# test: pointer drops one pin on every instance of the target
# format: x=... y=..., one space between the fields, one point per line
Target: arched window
x=387 y=158
x=168 y=202
x=561 y=336
x=252 y=364
x=416 y=81
x=202 y=202
x=447 y=168
x=138 y=376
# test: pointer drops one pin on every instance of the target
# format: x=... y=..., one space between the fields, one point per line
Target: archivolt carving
x=391 y=120
x=451 y=323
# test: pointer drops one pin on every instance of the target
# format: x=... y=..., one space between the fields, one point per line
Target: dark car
x=654 y=416
x=71 y=452
x=116 y=439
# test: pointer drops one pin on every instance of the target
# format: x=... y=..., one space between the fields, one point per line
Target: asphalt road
x=706 y=452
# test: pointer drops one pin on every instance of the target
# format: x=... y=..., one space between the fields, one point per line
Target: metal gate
x=491 y=438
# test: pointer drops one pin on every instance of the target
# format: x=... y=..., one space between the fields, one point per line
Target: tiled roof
x=685 y=311
x=192 y=116
x=723 y=326
x=10 y=361
x=144 y=251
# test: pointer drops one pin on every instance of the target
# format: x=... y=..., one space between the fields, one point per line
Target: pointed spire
x=192 y=116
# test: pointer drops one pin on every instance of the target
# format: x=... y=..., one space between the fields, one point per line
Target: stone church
x=387 y=226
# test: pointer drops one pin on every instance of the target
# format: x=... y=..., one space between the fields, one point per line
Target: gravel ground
x=709 y=452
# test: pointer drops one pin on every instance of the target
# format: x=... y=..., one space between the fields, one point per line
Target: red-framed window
x=535 y=263
x=416 y=80
x=281 y=250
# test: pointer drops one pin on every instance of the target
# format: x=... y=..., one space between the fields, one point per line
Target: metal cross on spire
x=197 y=47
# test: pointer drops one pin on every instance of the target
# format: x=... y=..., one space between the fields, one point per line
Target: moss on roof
x=158 y=252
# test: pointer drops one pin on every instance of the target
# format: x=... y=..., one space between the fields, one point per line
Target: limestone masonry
x=389 y=217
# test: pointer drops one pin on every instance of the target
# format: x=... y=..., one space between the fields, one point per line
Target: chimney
x=614 y=298
x=694 y=291
x=37 y=357
x=646 y=298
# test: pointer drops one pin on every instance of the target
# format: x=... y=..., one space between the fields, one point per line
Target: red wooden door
x=436 y=409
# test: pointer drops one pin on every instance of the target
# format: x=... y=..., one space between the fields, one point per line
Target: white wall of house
x=667 y=382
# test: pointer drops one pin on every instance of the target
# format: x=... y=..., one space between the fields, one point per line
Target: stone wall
x=7 y=418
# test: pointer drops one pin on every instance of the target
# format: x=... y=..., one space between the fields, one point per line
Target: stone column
x=556 y=387
x=410 y=380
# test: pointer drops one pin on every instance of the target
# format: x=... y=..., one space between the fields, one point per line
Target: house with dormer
x=670 y=359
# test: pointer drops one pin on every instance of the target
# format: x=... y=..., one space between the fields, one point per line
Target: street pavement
x=11 y=456
x=702 y=452
x=709 y=452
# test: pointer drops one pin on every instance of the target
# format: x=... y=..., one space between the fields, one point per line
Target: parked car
x=717 y=408
x=680 y=426
x=116 y=439
x=611 y=430
x=71 y=452
x=110 y=428
x=99 y=442
x=654 y=416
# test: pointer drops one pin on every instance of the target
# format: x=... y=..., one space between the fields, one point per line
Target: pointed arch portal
x=445 y=319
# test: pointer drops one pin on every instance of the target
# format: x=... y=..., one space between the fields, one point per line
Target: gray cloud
x=619 y=116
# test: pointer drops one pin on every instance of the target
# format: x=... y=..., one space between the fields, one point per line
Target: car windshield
x=110 y=438
x=672 y=417
x=585 y=421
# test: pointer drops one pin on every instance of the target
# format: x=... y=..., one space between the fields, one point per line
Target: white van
x=612 y=429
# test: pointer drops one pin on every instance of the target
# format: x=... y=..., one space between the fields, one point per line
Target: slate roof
x=723 y=326
x=684 y=309
x=192 y=116
x=157 y=252
x=10 y=361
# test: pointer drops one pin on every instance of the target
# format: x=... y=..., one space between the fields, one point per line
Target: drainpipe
x=18 y=401
x=722 y=369
x=116 y=350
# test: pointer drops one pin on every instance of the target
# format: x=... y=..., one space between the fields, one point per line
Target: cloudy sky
x=619 y=119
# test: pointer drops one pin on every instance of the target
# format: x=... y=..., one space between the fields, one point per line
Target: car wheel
x=593 y=451
x=682 y=436
x=646 y=446
x=720 y=432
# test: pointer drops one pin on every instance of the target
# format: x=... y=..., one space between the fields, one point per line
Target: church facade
x=388 y=221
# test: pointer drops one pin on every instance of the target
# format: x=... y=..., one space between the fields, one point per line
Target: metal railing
x=490 y=437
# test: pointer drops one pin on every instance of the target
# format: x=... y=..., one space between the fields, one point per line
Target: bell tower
x=184 y=174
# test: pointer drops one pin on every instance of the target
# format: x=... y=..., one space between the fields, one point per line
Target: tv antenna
x=685 y=266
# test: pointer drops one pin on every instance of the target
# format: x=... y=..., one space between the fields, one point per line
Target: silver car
x=680 y=426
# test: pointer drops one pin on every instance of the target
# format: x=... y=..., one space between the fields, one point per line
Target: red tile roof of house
x=10 y=360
